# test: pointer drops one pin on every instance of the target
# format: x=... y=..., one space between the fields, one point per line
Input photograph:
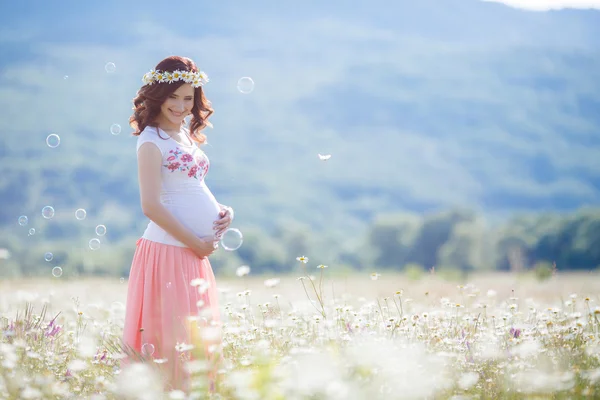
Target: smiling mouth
x=176 y=113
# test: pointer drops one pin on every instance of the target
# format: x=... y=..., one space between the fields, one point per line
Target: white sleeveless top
x=183 y=190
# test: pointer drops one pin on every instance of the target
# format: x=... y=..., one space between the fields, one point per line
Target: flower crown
x=197 y=79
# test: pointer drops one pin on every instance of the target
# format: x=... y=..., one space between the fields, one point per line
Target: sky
x=545 y=5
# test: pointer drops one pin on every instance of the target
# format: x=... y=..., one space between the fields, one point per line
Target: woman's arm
x=149 y=177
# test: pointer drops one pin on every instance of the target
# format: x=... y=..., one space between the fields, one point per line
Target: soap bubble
x=57 y=272
x=48 y=212
x=53 y=140
x=101 y=230
x=232 y=239
x=245 y=85
x=23 y=220
x=32 y=232
x=48 y=256
x=115 y=129
x=80 y=214
x=110 y=67
x=94 y=244
x=148 y=349
x=122 y=280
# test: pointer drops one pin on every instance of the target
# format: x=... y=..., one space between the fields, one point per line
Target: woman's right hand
x=205 y=246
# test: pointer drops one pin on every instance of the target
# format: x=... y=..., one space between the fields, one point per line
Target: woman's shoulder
x=149 y=134
x=152 y=133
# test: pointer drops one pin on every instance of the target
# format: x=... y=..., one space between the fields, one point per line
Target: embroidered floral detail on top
x=179 y=160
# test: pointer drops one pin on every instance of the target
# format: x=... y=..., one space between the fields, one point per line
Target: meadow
x=361 y=335
x=350 y=134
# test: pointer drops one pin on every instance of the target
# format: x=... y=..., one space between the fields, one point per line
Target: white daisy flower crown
x=197 y=79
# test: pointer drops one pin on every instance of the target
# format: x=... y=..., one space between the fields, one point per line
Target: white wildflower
x=271 y=283
x=242 y=270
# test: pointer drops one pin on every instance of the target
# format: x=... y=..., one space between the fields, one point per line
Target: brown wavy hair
x=149 y=99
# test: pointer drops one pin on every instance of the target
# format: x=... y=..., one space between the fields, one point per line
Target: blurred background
x=464 y=135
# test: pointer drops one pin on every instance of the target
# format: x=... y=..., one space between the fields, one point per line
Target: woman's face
x=178 y=105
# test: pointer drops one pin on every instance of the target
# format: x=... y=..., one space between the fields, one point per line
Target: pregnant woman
x=171 y=282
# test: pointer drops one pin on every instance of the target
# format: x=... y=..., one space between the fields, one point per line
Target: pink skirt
x=160 y=301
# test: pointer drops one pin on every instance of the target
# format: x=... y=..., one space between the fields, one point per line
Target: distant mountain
x=422 y=105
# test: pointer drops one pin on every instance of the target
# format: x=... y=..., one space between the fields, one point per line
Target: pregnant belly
x=198 y=215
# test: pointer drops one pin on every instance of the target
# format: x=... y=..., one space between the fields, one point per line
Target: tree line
x=457 y=240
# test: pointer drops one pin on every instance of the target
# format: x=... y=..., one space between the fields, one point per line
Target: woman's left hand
x=221 y=225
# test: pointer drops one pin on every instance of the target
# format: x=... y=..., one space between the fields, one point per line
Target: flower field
x=316 y=336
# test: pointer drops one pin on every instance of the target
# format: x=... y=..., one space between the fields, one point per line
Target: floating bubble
x=169 y=284
x=232 y=239
x=53 y=140
x=324 y=157
x=48 y=256
x=101 y=230
x=32 y=232
x=94 y=244
x=48 y=212
x=148 y=349
x=110 y=67
x=245 y=85
x=23 y=220
x=57 y=272
x=122 y=280
x=80 y=214
x=115 y=129
x=66 y=77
